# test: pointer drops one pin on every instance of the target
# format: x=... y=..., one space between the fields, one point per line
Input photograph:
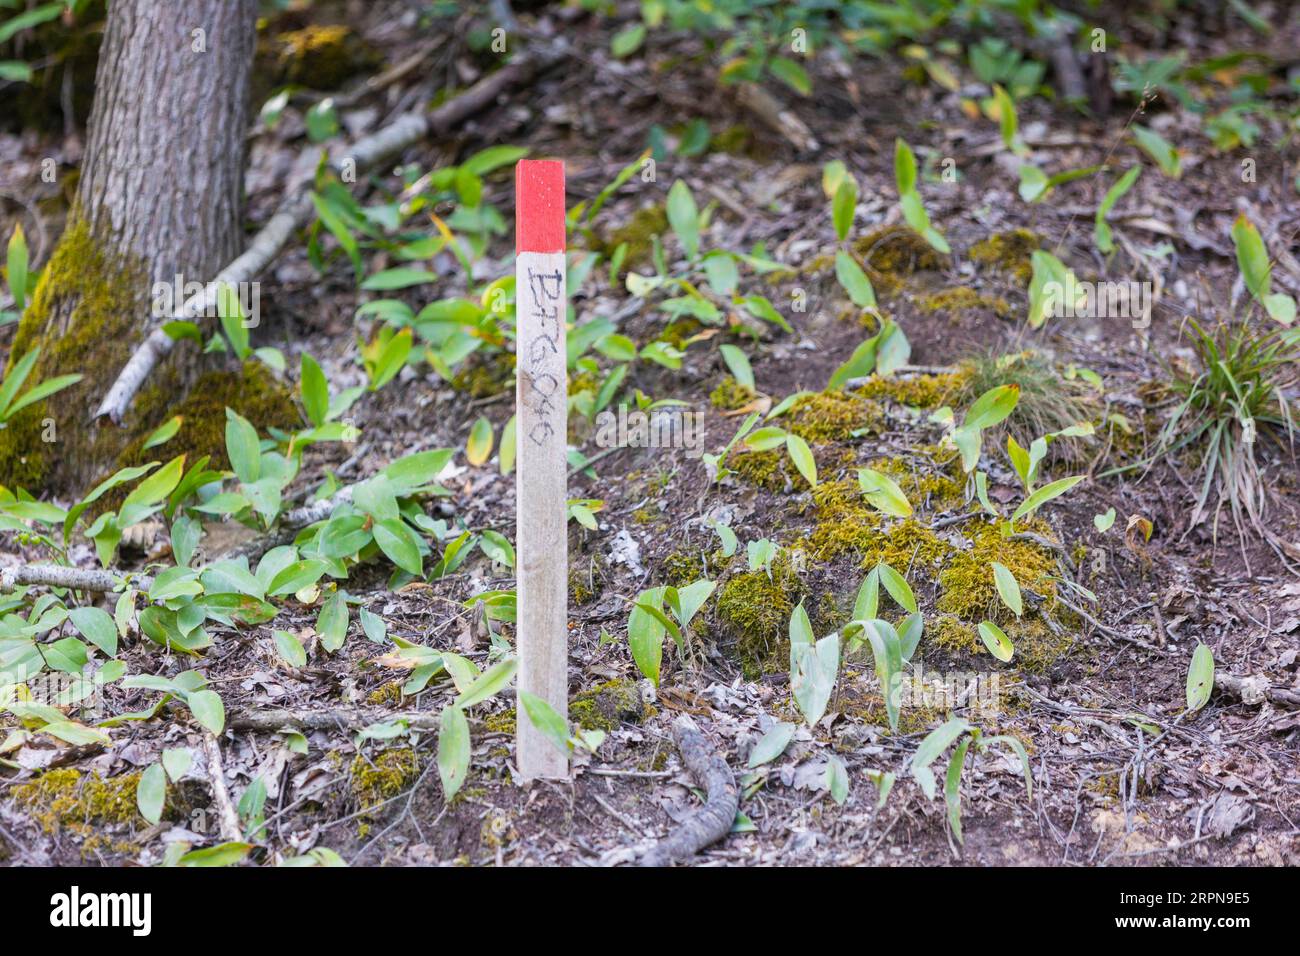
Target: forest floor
x=1121 y=775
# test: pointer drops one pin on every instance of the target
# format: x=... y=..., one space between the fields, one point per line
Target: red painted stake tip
x=539 y=205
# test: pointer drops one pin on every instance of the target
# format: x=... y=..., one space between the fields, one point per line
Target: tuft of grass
x=1231 y=401
x=1048 y=401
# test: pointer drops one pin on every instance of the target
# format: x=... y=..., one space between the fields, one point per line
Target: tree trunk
x=160 y=196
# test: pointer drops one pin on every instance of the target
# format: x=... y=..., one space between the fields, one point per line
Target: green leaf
x=506 y=453
x=937 y=741
x=992 y=407
x=95 y=626
x=1158 y=148
x=176 y=761
x=843 y=206
x=396 y=539
x=791 y=74
x=16 y=262
x=837 y=779
x=627 y=40
x=813 y=671
x=28 y=19
x=1103 y=522
x=904 y=167
x=489 y=683
x=1044 y=495
x=402 y=277
x=883 y=494
x=952 y=788
x=497 y=547
x=151 y=792
x=1101 y=234
x=453 y=750
x=802 y=457
x=867 y=604
x=14 y=380
x=332 y=622
x=243 y=447
x=163 y=433
x=897 y=587
x=315 y=391
x=1008 y=588
x=1200 y=678
x=854 y=281
x=738 y=365
x=290 y=649
x=684 y=218
x=547 y=721
x=860 y=364
x=295 y=576
x=771 y=745
x=224 y=854
x=645 y=634
x=996 y=640
x=208 y=709
x=478 y=449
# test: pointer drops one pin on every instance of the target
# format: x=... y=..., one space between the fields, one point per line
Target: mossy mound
x=252 y=391
x=485 y=374
x=638 y=232
x=686 y=567
x=967 y=584
x=894 y=252
x=386 y=775
x=84 y=317
x=754 y=609
x=961 y=299
x=679 y=332
x=730 y=395
x=68 y=799
x=320 y=56
x=1008 y=253
x=832 y=416
x=770 y=470
x=587 y=579
x=917 y=391
x=608 y=705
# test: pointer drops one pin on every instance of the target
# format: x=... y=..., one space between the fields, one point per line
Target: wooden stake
x=541 y=395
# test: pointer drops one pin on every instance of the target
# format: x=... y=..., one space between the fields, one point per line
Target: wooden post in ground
x=541 y=473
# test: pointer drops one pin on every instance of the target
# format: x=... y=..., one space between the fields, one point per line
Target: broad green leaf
x=493 y=680
x=545 y=718
x=837 y=779
x=684 y=218
x=332 y=622
x=315 y=391
x=208 y=709
x=95 y=626
x=1044 y=495
x=1200 y=678
x=453 y=750
x=243 y=447
x=843 y=206
x=151 y=792
x=952 y=788
x=996 y=640
x=396 y=539
x=1008 y=588
x=897 y=587
x=771 y=745
x=290 y=649
x=802 y=457
x=883 y=494
x=854 y=281
x=1101 y=234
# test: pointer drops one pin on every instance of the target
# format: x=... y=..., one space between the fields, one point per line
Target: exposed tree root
x=1255 y=690
x=713 y=821
x=227 y=818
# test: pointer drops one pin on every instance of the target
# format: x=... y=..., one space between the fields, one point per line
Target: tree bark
x=160 y=195
x=164 y=168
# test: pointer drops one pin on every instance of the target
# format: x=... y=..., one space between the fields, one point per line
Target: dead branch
x=272 y=721
x=227 y=818
x=777 y=117
x=713 y=821
x=1255 y=690
x=57 y=576
x=296 y=209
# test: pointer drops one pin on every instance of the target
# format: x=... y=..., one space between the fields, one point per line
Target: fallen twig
x=58 y=576
x=227 y=818
x=1255 y=690
x=713 y=821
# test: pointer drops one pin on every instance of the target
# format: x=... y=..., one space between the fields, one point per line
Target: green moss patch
x=754 y=610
